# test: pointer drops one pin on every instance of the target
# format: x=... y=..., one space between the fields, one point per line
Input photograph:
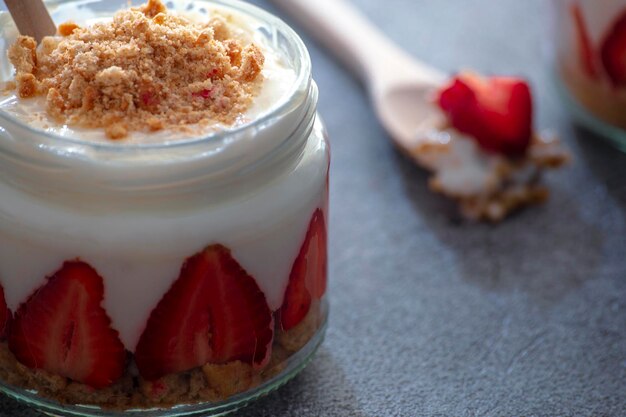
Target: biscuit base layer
x=209 y=383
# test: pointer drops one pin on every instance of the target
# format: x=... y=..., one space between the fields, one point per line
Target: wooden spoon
x=31 y=18
x=400 y=86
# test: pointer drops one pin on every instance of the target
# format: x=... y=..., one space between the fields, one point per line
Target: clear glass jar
x=252 y=199
x=590 y=56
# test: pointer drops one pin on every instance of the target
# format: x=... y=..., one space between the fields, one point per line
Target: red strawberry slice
x=63 y=329
x=5 y=315
x=214 y=312
x=496 y=111
x=297 y=300
x=308 y=275
x=586 y=53
x=613 y=52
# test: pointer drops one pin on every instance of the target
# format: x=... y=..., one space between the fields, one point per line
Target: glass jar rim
x=301 y=83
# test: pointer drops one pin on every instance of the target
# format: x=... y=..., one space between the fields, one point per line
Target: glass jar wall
x=176 y=278
x=589 y=52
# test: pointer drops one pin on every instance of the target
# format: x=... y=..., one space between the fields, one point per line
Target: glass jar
x=232 y=226
x=590 y=60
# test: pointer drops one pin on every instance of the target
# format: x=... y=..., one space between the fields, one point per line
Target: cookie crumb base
x=209 y=383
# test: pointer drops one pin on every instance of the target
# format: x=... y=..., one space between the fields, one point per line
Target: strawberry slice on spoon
x=402 y=89
x=496 y=111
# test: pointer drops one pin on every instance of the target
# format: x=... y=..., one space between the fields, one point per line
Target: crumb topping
x=144 y=70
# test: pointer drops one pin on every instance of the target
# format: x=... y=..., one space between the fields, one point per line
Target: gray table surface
x=435 y=317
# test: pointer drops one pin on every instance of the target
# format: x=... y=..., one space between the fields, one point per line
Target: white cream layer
x=140 y=255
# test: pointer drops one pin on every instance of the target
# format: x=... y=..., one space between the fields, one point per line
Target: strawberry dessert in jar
x=163 y=206
x=591 y=63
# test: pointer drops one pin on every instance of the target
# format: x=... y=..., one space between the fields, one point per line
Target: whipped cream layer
x=139 y=255
x=66 y=199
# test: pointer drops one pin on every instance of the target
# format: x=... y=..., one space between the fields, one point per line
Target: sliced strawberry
x=308 y=275
x=297 y=300
x=586 y=53
x=613 y=52
x=63 y=329
x=317 y=256
x=496 y=111
x=5 y=315
x=214 y=312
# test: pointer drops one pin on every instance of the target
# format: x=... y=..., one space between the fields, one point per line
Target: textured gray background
x=435 y=317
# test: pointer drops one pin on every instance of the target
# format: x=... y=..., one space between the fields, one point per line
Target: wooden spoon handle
x=352 y=38
x=31 y=18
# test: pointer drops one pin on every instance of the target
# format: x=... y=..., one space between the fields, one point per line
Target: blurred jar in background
x=591 y=63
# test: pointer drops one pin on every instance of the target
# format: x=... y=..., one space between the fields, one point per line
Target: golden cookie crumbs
x=23 y=55
x=26 y=84
x=144 y=70
x=153 y=8
x=8 y=87
x=67 y=28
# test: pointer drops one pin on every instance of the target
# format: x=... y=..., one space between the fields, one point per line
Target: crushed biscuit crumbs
x=145 y=70
x=210 y=382
x=67 y=28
